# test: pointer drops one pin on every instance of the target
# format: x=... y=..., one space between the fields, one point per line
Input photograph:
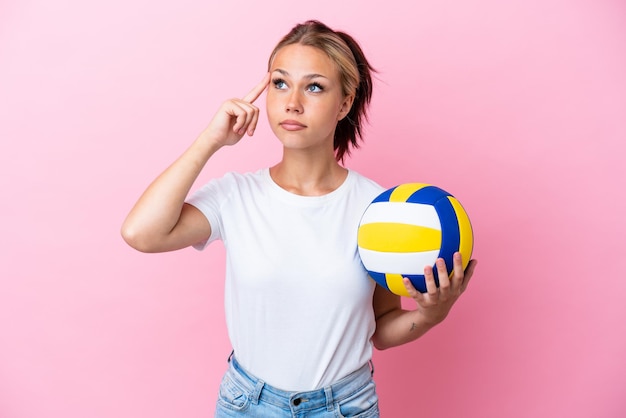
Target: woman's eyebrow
x=307 y=76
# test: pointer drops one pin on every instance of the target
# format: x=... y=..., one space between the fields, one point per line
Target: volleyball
x=408 y=227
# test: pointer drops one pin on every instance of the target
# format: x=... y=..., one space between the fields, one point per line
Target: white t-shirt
x=298 y=300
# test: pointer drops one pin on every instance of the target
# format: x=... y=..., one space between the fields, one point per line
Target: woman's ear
x=346 y=105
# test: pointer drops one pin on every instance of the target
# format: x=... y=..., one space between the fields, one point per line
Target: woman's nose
x=294 y=103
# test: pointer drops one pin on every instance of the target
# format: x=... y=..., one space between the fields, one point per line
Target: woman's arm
x=160 y=220
x=396 y=326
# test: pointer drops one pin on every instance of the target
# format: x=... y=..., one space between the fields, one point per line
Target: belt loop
x=256 y=394
x=328 y=391
x=371 y=363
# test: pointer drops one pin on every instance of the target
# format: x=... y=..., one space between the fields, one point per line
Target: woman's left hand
x=435 y=304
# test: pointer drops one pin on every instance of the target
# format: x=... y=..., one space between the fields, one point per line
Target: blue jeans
x=243 y=395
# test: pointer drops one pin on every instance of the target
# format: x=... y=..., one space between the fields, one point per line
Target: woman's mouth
x=292 y=125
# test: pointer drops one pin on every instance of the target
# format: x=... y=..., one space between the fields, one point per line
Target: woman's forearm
x=158 y=210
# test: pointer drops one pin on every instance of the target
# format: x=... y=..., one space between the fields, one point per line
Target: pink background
x=516 y=107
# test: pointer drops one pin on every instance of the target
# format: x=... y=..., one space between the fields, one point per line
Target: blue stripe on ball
x=379 y=278
x=451 y=235
x=427 y=195
x=384 y=196
x=419 y=282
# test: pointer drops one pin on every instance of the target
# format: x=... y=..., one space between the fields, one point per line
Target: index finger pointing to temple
x=256 y=91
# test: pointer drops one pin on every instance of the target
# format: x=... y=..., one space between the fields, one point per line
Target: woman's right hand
x=236 y=117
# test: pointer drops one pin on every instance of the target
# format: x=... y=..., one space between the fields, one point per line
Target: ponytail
x=349 y=130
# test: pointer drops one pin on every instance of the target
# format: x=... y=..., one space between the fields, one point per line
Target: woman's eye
x=315 y=88
x=280 y=84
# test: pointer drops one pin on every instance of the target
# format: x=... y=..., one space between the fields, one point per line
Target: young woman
x=301 y=312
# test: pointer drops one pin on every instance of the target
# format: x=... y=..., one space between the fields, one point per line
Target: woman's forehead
x=299 y=60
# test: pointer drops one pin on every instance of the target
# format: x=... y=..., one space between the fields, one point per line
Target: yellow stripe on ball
x=394 y=282
x=466 y=243
x=402 y=192
x=398 y=238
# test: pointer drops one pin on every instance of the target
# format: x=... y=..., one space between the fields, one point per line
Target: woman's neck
x=306 y=176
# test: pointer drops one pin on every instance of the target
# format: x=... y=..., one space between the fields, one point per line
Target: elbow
x=136 y=240
x=381 y=347
x=130 y=237
x=379 y=343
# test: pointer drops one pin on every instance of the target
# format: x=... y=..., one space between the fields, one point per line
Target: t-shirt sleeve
x=210 y=199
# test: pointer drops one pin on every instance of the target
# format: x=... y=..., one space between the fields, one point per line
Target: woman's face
x=305 y=99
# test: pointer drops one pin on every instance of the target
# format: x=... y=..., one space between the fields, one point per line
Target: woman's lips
x=292 y=125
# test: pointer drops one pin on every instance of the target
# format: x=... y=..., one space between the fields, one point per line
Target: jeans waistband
x=326 y=396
